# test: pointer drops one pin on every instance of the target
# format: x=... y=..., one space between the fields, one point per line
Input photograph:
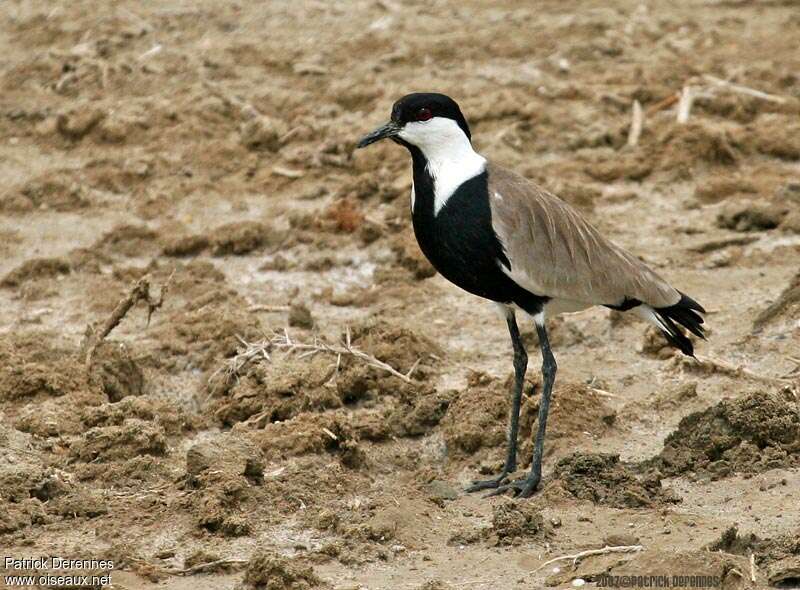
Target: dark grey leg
x=520 y=366
x=526 y=487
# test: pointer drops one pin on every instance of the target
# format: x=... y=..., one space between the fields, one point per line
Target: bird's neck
x=440 y=168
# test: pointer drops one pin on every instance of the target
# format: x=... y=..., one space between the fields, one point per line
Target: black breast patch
x=461 y=243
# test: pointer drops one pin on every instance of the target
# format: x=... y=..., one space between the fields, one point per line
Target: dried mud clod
x=278 y=390
x=173 y=419
x=31 y=369
x=228 y=452
x=241 y=237
x=269 y=571
x=36 y=269
x=477 y=417
x=750 y=434
x=410 y=257
x=719 y=188
x=116 y=372
x=130 y=439
x=223 y=473
x=279 y=377
x=697 y=142
x=514 y=522
x=743 y=215
x=777 y=559
x=128 y=240
x=185 y=245
x=602 y=479
x=401 y=347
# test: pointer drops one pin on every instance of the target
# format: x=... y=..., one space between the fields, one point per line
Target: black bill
x=389 y=130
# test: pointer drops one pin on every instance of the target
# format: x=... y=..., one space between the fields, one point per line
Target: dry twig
x=685 y=104
x=602 y=392
x=207 y=565
x=663 y=104
x=139 y=292
x=268 y=308
x=590 y=552
x=739 y=89
x=636 y=124
x=732 y=370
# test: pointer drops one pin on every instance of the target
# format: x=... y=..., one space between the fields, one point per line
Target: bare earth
x=208 y=146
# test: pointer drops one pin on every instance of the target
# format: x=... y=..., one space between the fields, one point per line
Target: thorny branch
x=260 y=351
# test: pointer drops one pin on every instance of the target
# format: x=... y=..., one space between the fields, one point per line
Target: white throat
x=448 y=151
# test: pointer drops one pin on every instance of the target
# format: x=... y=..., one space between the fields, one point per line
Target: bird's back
x=553 y=251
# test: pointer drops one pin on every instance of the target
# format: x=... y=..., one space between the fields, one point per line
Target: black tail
x=686 y=313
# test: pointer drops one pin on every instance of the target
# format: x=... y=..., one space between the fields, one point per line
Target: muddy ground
x=208 y=146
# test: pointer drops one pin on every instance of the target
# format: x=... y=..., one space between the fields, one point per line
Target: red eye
x=424 y=114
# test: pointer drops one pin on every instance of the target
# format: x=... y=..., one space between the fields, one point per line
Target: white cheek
x=413 y=132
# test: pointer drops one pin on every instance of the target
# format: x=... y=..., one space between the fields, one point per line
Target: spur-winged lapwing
x=500 y=236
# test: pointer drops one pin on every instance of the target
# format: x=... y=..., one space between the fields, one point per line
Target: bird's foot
x=488 y=484
x=522 y=488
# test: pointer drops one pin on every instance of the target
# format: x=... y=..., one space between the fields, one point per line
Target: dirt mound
x=745 y=215
x=418 y=410
x=131 y=438
x=173 y=419
x=31 y=369
x=269 y=571
x=185 y=245
x=50 y=417
x=403 y=521
x=58 y=190
x=773 y=137
x=602 y=479
x=128 y=240
x=720 y=188
x=410 y=257
x=778 y=557
x=683 y=147
x=514 y=522
x=478 y=416
x=241 y=237
x=116 y=372
x=35 y=269
x=228 y=452
x=413 y=411
x=279 y=390
x=203 y=333
x=400 y=347
x=290 y=384
x=223 y=471
x=749 y=434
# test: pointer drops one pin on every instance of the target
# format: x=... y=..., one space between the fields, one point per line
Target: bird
x=500 y=236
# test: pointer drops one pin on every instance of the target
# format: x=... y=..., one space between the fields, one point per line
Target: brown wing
x=554 y=251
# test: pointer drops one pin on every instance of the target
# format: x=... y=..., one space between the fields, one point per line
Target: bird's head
x=429 y=121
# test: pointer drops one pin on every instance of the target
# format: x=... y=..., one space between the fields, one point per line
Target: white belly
x=557 y=306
